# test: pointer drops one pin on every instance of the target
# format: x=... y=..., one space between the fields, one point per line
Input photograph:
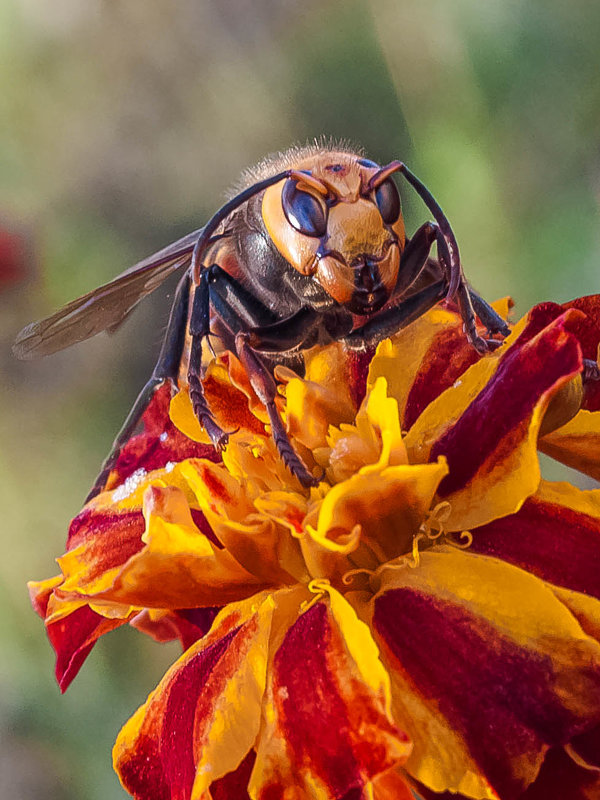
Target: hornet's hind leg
x=166 y=368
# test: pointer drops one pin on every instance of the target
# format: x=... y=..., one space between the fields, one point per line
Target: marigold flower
x=427 y=618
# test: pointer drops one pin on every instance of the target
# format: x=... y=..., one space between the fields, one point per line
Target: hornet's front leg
x=413 y=261
x=237 y=309
x=491 y=319
x=395 y=318
x=391 y=320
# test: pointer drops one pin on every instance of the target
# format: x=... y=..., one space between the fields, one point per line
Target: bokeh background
x=121 y=126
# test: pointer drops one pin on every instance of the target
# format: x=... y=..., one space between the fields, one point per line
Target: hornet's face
x=340 y=225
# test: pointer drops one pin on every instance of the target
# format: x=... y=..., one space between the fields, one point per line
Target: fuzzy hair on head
x=286 y=159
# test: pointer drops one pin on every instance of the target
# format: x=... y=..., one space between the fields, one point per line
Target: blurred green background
x=121 y=126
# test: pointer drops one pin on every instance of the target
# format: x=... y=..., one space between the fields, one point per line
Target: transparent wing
x=105 y=307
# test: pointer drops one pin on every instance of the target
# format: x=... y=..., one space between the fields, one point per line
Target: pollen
x=128 y=487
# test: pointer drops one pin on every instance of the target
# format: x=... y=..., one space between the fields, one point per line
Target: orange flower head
x=426 y=619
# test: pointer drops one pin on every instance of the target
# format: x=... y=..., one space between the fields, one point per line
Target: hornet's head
x=338 y=219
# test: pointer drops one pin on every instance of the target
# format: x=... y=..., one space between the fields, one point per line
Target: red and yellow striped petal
x=489 y=669
x=178 y=566
x=371 y=517
x=99 y=543
x=204 y=717
x=487 y=426
x=103 y=541
x=230 y=405
x=109 y=529
x=327 y=729
x=554 y=535
x=425 y=359
x=248 y=530
x=422 y=361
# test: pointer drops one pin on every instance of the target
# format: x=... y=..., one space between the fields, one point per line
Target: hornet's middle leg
x=199 y=327
x=236 y=310
x=265 y=387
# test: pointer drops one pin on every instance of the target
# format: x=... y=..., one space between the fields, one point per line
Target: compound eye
x=303 y=211
x=388 y=201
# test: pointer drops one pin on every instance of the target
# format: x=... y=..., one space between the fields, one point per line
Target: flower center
x=431 y=532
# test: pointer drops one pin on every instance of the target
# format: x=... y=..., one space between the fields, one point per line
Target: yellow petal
x=577 y=444
x=372 y=516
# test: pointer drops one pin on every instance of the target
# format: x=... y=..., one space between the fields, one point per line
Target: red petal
x=587 y=747
x=186 y=624
x=233 y=786
x=194 y=623
x=562 y=779
x=73 y=637
x=358 y=371
x=588 y=334
x=160 y=443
